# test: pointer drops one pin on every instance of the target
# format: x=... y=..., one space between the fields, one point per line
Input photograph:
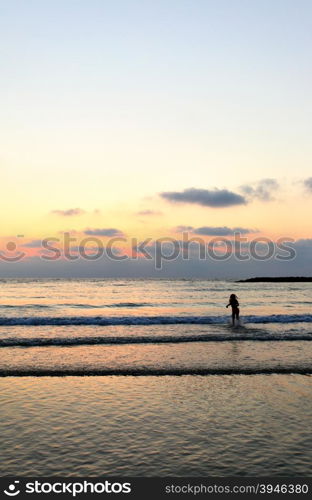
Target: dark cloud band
x=215 y=231
x=216 y=198
x=103 y=232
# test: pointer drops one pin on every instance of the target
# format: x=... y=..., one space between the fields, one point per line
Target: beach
x=147 y=377
x=257 y=425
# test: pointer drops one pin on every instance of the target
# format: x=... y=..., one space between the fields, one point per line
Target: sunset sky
x=141 y=117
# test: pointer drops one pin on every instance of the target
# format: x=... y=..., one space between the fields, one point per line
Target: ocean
x=149 y=378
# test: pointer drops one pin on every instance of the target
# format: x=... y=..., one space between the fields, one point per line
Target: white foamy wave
x=148 y=320
x=150 y=339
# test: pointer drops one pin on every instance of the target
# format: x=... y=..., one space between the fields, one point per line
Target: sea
x=148 y=377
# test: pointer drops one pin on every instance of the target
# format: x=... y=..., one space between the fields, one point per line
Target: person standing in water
x=233 y=302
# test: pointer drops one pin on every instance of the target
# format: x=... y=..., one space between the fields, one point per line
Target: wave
x=75 y=305
x=25 y=306
x=101 y=306
x=156 y=339
x=136 y=372
x=147 y=320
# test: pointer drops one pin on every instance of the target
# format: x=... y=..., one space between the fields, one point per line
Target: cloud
x=304 y=245
x=262 y=190
x=182 y=229
x=169 y=247
x=149 y=212
x=308 y=183
x=192 y=268
x=70 y=212
x=216 y=198
x=214 y=231
x=33 y=244
x=222 y=231
x=104 y=232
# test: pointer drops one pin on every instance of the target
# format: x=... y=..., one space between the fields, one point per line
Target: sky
x=144 y=119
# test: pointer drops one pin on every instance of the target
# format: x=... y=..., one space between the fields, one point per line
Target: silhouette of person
x=233 y=302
